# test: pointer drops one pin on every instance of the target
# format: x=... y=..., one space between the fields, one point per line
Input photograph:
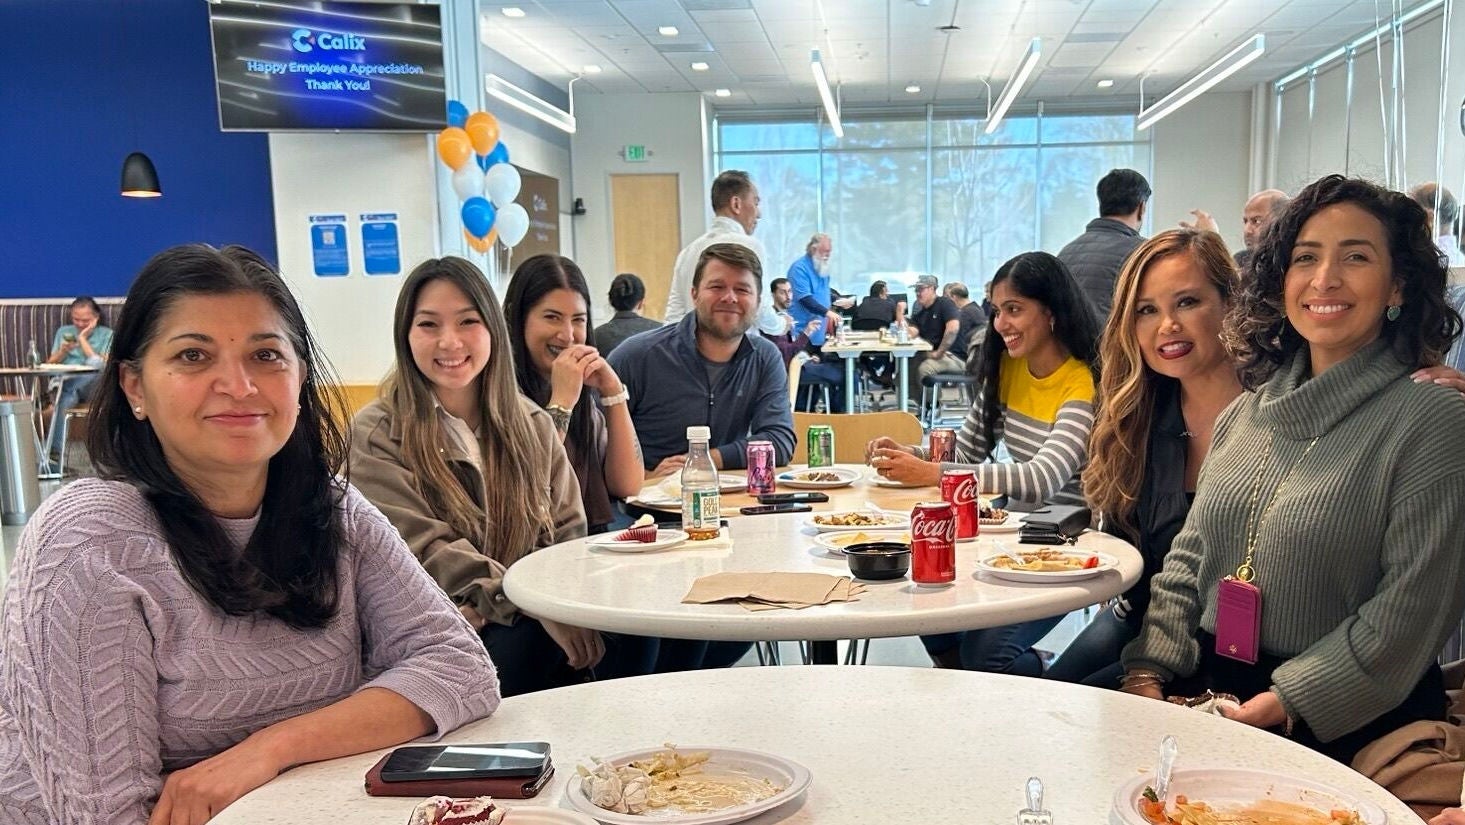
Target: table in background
x=653 y=496
x=32 y=390
x=883 y=744
x=854 y=346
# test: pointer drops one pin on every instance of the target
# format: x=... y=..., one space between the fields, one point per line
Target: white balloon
x=468 y=181
x=502 y=183
x=512 y=223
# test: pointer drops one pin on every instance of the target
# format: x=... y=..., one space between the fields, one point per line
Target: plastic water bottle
x=701 y=499
x=33 y=355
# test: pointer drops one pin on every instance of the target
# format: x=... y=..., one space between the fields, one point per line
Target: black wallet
x=1055 y=524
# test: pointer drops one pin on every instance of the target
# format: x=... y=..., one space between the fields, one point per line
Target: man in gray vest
x=1095 y=257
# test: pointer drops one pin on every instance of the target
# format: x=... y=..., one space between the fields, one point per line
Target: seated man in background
x=879 y=311
x=777 y=325
x=83 y=342
x=937 y=321
x=972 y=315
x=706 y=370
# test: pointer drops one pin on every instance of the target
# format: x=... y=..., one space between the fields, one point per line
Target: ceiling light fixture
x=822 y=81
x=1229 y=64
x=529 y=104
x=723 y=92
x=591 y=68
x=1014 y=85
x=140 y=177
x=1105 y=84
x=512 y=11
x=667 y=31
x=913 y=89
x=699 y=66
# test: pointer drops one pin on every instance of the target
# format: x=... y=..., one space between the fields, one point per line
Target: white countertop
x=914 y=746
x=642 y=593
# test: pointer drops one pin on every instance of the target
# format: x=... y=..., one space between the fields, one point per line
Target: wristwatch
x=619 y=398
x=560 y=415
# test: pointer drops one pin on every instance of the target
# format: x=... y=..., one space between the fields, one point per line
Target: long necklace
x=1246 y=572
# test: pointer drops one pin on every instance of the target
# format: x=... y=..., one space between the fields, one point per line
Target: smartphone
x=503 y=759
x=774 y=508
x=68 y=337
x=791 y=498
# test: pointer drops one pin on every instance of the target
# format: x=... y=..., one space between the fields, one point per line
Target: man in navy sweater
x=706 y=370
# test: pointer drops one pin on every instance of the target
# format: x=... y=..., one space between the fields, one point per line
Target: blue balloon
x=457 y=113
x=484 y=162
x=478 y=216
x=500 y=154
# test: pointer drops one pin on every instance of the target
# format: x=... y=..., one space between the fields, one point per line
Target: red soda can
x=760 y=468
x=933 y=543
x=942 y=445
x=959 y=489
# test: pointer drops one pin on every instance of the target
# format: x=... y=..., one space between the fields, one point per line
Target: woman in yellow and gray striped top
x=1041 y=364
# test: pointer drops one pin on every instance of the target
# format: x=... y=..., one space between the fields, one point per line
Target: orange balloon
x=483 y=130
x=483 y=244
x=454 y=147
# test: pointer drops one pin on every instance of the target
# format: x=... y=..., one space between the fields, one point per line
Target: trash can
x=20 y=491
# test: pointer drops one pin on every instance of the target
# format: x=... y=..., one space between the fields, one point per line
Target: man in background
x=777 y=325
x=809 y=277
x=972 y=314
x=1260 y=211
x=1095 y=257
x=937 y=321
x=1443 y=212
x=735 y=210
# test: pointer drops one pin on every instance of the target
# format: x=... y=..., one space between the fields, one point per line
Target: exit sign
x=635 y=153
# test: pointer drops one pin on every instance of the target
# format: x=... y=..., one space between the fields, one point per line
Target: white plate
x=791 y=478
x=836 y=542
x=1236 y=787
x=664 y=538
x=726 y=483
x=1012 y=524
x=791 y=775
x=896 y=521
x=540 y=815
x=1106 y=562
x=881 y=481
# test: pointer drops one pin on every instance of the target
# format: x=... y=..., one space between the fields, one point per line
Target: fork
x=1004 y=550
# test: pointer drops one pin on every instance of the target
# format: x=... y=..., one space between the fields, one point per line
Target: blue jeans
x=1093 y=658
x=1007 y=649
x=830 y=374
x=74 y=390
x=528 y=660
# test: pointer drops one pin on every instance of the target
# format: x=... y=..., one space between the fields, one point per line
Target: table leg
x=902 y=374
x=49 y=471
x=849 y=383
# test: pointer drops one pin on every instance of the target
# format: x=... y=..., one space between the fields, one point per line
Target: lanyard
x=1246 y=572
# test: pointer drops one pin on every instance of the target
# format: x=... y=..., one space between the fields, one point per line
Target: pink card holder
x=1238 y=620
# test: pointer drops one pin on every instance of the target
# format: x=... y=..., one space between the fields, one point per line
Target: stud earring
x=1393 y=312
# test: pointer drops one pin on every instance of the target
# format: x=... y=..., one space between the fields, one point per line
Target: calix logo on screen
x=305 y=40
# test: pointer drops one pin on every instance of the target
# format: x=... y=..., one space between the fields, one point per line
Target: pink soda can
x=760 y=468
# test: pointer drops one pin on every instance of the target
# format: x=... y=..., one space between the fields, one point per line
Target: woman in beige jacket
x=473 y=475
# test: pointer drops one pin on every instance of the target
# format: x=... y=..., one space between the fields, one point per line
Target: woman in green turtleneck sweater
x=1345 y=478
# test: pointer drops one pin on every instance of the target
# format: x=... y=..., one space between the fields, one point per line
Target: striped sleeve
x=971 y=444
x=1046 y=460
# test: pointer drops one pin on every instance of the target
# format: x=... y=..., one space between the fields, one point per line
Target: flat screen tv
x=324 y=65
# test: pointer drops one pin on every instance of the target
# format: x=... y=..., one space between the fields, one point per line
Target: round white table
x=642 y=593
x=884 y=745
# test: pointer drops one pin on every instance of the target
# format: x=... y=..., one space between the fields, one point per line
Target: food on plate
x=988 y=514
x=856 y=518
x=1261 y=812
x=444 y=810
x=818 y=475
x=671 y=781
x=644 y=531
x=861 y=537
x=1046 y=561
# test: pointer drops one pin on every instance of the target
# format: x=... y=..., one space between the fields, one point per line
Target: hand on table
x=583 y=647
x=1446 y=376
x=670 y=464
x=1263 y=710
x=885 y=442
x=193 y=796
x=899 y=465
x=1449 y=816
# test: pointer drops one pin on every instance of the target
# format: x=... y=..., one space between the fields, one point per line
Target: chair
x=852 y=431
x=79 y=411
x=931 y=387
x=795 y=371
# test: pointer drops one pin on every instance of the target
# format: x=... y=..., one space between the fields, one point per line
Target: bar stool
x=79 y=411
x=931 y=387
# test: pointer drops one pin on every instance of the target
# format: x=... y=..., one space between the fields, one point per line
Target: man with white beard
x=809 y=277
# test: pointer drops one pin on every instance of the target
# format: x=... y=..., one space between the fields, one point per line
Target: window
x=902 y=196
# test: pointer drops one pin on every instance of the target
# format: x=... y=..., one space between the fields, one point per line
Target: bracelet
x=560 y=415
x=619 y=398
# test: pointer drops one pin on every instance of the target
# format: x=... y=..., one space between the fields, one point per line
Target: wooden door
x=646 y=215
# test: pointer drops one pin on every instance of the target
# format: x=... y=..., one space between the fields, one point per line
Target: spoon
x=1004 y=550
x=1169 y=749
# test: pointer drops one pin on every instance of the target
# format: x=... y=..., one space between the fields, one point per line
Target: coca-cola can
x=959 y=489
x=942 y=445
x=933 y=543
x=760 y=468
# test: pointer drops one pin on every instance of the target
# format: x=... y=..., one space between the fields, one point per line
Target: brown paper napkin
x=767 y=591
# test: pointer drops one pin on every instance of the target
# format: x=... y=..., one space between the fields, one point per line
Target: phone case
x=501 y=787
x=764 y=509
x=792 y=498
x=1238 y=620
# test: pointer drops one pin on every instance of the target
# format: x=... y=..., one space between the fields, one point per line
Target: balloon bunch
x=483 y=178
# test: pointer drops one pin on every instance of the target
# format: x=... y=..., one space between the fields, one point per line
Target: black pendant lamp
x=139 y=177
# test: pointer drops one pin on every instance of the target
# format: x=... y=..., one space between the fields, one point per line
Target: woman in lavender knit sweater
x=220 y=607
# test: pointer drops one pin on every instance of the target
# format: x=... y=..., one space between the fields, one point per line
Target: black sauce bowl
x=878 y=560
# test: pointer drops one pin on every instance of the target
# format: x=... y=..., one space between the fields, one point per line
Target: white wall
x=1201 y=157
x=328 y=174
x=670 y=126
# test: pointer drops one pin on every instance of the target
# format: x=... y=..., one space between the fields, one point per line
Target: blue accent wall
x=86 y=82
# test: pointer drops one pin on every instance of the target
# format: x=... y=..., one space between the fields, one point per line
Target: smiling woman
x=221 y=542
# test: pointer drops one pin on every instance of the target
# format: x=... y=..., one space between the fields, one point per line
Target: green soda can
x=821 y=445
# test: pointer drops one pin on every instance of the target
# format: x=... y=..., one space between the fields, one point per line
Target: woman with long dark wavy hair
x=1036 y=394
x=547 y=311
x=221 y=605
x=1330 y=501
